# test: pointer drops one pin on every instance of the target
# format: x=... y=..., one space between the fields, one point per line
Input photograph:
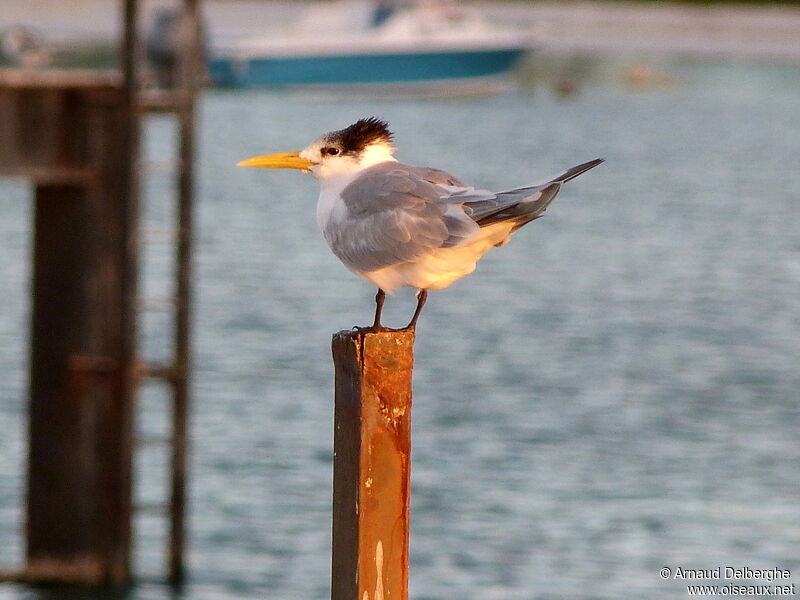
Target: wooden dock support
x=372 y=464
x=63 y=131
x=189 y=69
x=75 y=135
x=69 y=401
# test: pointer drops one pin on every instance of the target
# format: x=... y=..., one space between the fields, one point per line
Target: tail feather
x=528 y=203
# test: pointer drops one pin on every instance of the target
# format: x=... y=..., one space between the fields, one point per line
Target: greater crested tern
x=397 y=225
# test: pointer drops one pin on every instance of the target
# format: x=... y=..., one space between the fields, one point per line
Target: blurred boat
x=355 y=43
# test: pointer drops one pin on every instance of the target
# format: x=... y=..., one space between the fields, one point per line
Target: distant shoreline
x=761 y=31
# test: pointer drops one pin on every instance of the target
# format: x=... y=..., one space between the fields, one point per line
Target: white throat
x=337 y=173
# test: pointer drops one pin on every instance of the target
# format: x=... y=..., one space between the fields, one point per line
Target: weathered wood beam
x=188 y=81
x=75 y=137
x=372 y=464
x=60 y=526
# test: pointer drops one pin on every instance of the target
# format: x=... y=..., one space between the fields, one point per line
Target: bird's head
x=341 y=153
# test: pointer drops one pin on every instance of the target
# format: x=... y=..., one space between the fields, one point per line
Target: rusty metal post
x=372 y=464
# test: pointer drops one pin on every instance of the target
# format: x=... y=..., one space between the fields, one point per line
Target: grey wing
x=437 y=176
x=396 y=214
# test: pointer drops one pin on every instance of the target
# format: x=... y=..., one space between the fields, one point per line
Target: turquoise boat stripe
x=376 y=68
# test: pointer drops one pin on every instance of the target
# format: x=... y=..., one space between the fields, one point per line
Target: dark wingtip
x=575 y=171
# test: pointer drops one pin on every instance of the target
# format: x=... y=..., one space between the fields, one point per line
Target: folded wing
x=397 y=213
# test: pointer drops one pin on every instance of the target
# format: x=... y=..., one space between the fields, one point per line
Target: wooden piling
x=189 y=68
x=75 y=135
x=62 y=131
x=372 y=464
x=61 y=539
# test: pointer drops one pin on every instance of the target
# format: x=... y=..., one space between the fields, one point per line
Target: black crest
x=361 y=134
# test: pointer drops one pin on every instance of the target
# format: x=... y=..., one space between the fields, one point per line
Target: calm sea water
x=614 y=392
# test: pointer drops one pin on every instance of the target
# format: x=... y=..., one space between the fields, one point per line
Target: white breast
x=330 y=207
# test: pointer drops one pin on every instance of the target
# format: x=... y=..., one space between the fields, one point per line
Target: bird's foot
x=376 y=326
x=376 y=329
x=422 y=296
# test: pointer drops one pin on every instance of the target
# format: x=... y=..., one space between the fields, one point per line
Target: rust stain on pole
x=372 y=464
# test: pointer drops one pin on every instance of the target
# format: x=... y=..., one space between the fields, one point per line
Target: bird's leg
x=422 y=296
x=379 y=299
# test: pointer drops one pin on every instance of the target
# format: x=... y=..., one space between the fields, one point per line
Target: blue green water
x=613 y=392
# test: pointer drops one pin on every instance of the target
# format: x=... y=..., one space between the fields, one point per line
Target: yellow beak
x=282 y=160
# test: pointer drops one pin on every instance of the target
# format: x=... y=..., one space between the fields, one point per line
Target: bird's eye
x=330 y=151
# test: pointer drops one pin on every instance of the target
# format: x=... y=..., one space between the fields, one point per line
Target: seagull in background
x=402 y=226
